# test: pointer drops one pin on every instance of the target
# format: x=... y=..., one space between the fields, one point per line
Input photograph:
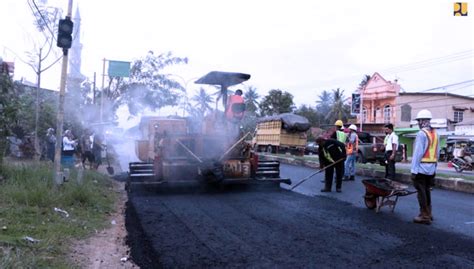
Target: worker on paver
x=423 y=165
x=332 y=155
x=391 y=146
x=352 y=146
x=235 y=108
x=338 y=133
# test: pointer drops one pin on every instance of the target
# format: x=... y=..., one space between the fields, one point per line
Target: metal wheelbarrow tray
x=383 y=192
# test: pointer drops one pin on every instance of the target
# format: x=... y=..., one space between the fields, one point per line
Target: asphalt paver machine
x=211 y=149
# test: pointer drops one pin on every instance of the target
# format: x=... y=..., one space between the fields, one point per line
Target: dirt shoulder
x=106 y=248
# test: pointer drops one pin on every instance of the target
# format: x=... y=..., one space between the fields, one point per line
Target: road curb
x=453 y=184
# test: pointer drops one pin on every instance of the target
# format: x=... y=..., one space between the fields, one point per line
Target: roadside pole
x=93 y=90
x=361 y=111
x=38 y=87
x=102 y=92
x=58 y=175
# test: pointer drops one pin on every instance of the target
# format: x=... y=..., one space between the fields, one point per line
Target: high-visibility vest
x=430 y=153
x=350 y=147
x=327 y=156
x=234 y=99
x=341 y=136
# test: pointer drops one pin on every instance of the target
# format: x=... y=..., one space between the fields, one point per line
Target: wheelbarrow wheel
x=370 y=201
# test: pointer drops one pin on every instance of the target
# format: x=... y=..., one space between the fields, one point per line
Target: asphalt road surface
x=261 y=226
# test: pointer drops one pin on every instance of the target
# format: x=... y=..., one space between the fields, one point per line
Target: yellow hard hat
x=339 y=123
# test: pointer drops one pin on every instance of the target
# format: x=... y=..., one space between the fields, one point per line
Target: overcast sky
x=299 y=46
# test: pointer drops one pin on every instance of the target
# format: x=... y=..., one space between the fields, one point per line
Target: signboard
x=355 y=107
x=119 y=69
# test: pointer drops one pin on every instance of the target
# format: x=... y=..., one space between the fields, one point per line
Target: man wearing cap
x=391 y=146
x=423 y=164
x=352 y=146
x=332 y=155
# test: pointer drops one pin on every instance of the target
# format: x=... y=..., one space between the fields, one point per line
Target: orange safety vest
x=430 y=153
x=350 y=147
x=234 y=99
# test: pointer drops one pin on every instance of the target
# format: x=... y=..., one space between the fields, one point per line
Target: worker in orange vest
x=423 y=165
x=235 y=108
x=352 y=146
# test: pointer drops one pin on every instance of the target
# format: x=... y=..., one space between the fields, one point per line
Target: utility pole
x=102 y=92
x=58 y=175
x=38 y=87
x=93 y=90
x=361 y=109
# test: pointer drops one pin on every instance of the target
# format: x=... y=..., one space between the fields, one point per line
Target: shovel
x=315 y=173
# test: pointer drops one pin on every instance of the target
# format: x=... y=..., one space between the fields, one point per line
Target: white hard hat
x=353 y=127
x=423 y=114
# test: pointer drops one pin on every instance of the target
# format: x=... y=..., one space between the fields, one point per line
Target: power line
x=447 y=86
x=432 y=64
x=44 y=20
x=426 y=90
x=462 y=55
x=468 y=54
x=33 y=12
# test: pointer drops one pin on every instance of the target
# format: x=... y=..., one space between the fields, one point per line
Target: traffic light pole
x=58 y=175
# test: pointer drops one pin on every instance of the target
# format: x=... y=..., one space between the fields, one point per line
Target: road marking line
x=471 y=222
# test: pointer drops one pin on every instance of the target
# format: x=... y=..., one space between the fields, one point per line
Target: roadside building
x=465 y=127
x=448 y=109
x=7 y=68
x=383 y=102
x=379 y=98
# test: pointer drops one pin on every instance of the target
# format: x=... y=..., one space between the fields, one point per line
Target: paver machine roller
x=211 y=149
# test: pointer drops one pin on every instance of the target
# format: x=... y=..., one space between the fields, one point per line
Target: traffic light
x=65 y=33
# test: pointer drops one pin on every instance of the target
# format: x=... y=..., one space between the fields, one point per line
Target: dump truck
x=281 y=134
x=210 y=150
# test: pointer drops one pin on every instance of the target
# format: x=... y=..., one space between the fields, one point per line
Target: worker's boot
x=423 y=218
x=430 y=213
x=345 y=178
x=352 y=178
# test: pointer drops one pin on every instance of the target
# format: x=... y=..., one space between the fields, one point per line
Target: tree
x=147 y=87
x=364 y=81
x=45 y=20
x=8 y=108
x=323 y=106
x=309 y=113
x=276 y=102
x=203 y=101
x=339 y=110
x=251 y=100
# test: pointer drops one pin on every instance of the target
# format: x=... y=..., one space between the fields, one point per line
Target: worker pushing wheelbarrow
x=382 y=192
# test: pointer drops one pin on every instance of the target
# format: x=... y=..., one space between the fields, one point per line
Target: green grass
x=27 y=201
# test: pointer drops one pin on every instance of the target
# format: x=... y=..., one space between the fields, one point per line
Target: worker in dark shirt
x=332 y=155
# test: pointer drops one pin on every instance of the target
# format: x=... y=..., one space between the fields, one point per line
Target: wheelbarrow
x=382 y=192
